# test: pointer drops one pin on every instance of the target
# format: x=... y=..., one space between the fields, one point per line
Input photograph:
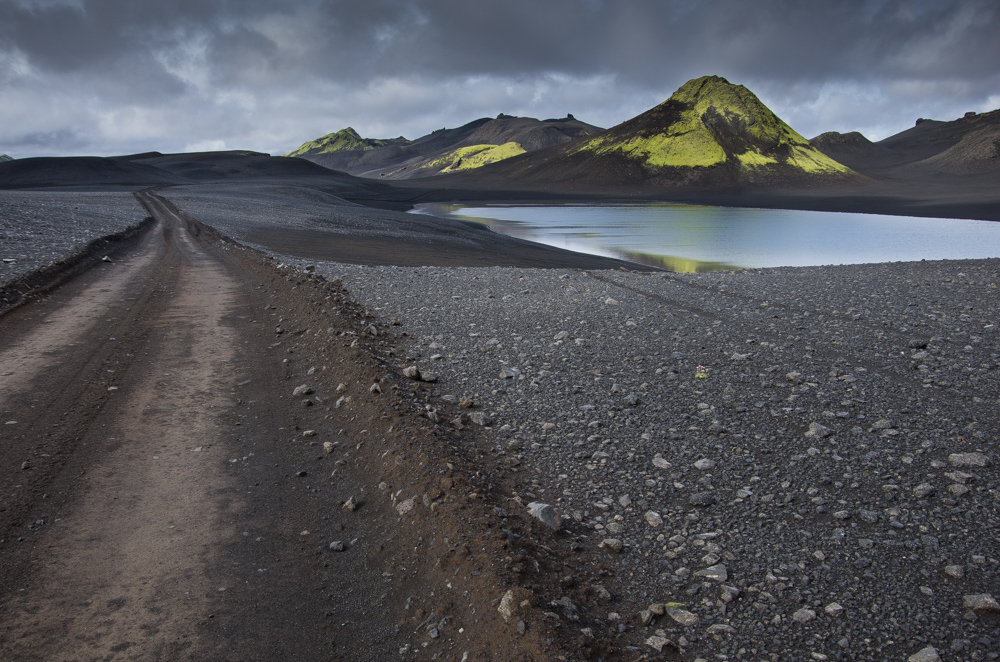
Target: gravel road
x=803 y=460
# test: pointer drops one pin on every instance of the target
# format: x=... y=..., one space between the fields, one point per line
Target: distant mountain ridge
x=709 y=133
x=968 y=146
x=5 y=157
x=472 y=145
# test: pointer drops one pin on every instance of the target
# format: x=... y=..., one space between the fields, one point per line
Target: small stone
x=657 y=642
x=928 y=654
x=309 y=433
x=337 y=546
x=646 y=616
x=350 y=505
x=611 y=302
x=613 y=545
x=721 y=628
x=507 y=606
x=657 y=609
x=702 y=499
x=804 y=615
x=968 y=460
x=406 y=506
x=429 y=377
x=328 y=447
x=981 y=602
x=466 y=403
x=704 y=464
x=25 y=465
x=660 y=463
x=624 y=501
x=955 y=571
x=545 y=514
x=302 y=390
x=842 y=514
x=411 y=372
x=833 y=609
x=480 y=418
x=507 y=372
x=717 y=573
x=653 y=518
x=923 y=490
x=682 y=616
x=818 y=431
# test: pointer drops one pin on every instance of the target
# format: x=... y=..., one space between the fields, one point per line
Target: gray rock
x=545 y=514
x=928 y=654
x=923 y=490
x=613 y=545
x=682 y=616
x=804 y=615
x=983 y=602
x=968 y=460
x=818 y=431
x=716 y=573
x=702 y=499
x=653 y=518
x=299 y=391
x=704 y=464
x=337 y=546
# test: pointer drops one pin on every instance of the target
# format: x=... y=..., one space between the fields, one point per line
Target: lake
x=696 y=238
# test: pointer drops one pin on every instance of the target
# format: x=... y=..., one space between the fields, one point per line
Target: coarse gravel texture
x=807 y=433
x=38 y=228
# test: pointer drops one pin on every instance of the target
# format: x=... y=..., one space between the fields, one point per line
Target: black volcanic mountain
x=966 y=147
x=470 y=146
x=709 y=134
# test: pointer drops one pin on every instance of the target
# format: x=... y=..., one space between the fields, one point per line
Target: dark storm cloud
x=267 y=75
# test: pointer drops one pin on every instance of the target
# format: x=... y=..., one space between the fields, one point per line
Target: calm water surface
x=698 y=238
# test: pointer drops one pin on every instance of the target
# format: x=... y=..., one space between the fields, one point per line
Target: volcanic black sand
x=773 y=464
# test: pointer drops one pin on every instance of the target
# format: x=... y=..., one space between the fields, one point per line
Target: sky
x=106 y=77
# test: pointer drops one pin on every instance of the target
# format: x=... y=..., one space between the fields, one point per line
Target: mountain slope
x=5 y=157
x=445 y=150
x=709 y=133
x=345 y=140
x=966 y=147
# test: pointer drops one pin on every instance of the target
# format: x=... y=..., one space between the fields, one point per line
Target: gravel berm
x=778 y=464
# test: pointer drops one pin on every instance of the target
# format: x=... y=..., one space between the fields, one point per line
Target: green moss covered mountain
x=345 y=140
x=709 y=133
x=4 y=157
x=468 y=147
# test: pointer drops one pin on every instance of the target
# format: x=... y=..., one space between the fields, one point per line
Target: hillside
x=472 y=145
x=5 y=157
x=709 y=133
x=966 y=147
x=345 y=140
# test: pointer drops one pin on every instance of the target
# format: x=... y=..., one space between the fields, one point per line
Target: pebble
x=955 y=571
x=804 y=615
x=833 y=609
x=702 y=499
x=818 y=431
x=614 y=545
x=704 y=464
x=928 y=654
x=683 y=616
x=299 y=391
x=981 y=602
x=968 y=460
x=653 y=518
x=545 y=514
x=337 y=546
x=717 y=573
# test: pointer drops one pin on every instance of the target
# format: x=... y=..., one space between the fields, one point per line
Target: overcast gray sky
x=120 y=76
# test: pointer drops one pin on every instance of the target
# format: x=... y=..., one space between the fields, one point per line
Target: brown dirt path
x=161 y=498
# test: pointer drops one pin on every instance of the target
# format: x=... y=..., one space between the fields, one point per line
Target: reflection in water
x=696 y=238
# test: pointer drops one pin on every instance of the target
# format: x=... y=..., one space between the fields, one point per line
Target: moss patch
x=474 y=156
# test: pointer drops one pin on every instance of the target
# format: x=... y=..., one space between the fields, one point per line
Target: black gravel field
x=777 y=464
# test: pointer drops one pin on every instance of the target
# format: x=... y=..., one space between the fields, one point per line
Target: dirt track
x=160 y=498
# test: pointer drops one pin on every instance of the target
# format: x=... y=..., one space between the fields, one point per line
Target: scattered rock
x=928 y=654
x=716 y=573
x=818 y=431
x=704 y=464
x=653 y=518
x=613 y=545
x=968 y=460
x=545 y=514
x=984 y=602
x=337 y=546
x=301 y=391
x=702 y=499
x=804 y=615
x=351 y=505
x=682 y=616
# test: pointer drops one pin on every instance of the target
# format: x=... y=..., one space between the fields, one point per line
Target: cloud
x=114 y=76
